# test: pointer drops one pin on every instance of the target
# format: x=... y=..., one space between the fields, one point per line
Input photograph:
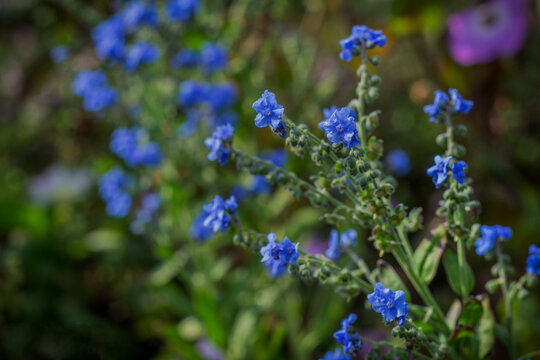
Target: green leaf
x=472 y=313
x=242 y=335
x=428 y=254
x=454 y=277
x=485 y=330
x=453 y=314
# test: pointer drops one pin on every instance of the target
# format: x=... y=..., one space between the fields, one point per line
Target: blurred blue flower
x=140 y=53
x=336 y=355
x=131 y=144
x=490 y=235
x=399 y=162
x=533 y=260
x=185 y=58
x=93 y=88
x=213 y=57
x=215 y=143
x=109 y=39
x=333 y=246
x=222 y=95
x=138 y=13
x=341 y=127
x=198 y=230
x=146 y=212
x=438 y=172
x=86 y=80
x=391 y=305
x=458 y=171
x=218 y=213
x=113 y=190
x=192 y=93
x=59 y=54
x=269 y=113
x=459 y=104
x=276 y=255
x=181 y=10
x=361 y=36
x=350 y=341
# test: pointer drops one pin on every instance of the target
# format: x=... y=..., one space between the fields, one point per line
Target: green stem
x=361 y=264
x=507 y=299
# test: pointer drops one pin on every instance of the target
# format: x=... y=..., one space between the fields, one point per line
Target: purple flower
x=215 y=143
x=276 y=255
x=341 y=127
x=438 y=172
x=269 y=113
x=486 y=32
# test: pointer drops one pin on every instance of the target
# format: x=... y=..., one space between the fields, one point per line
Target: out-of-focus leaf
x=453 y=274
x=428 y=254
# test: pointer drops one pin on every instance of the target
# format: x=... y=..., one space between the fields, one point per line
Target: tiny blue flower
x=218 y=213
x=112 y=189
x=86 y=80
x=138 y=13
x=276 y=255
x=361 y=36
x=333 y=246
x=109 y=39
x=490 y=235
x=99 y=99
x=213 y=57
x=197 y=230
x=348 y=238
x=192 y=93
x=533 y=260
x=59 y=54
x=399 y=162
x=439 y=104
x=181 y=10
x=216 y=141
x=350 y=341
x=341 y=127
x=336 y=355
x=391 y=305
x=222 y=95
x=460 y=105
x=269 y=113
x=140 y=53
x=458 y=171
x=439 y=171
x=185 y=58
x=131 y=145
x=147 y=154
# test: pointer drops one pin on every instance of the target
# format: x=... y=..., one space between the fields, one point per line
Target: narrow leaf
x=452 y=273
x=428 y=254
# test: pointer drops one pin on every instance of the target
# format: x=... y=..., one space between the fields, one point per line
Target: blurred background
x=75 y=283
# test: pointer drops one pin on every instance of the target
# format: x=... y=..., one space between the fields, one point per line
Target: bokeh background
x=75 y=283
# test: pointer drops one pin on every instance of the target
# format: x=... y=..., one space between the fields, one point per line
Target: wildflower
x=185 y=58
x=439 y=171
x=212 y=57
x=145 y=214
x=181 y=10
x=491 y=30
x=198 y=230
x=138 y=13
x=336 y=355
x=533 y=260
x=391 y=305
x=459 y=104
x=341 y=127
x=350 y=341
x=361 y=37
x=348 y=238
x=399 y=162
x=218 y=213
x=439 y=105
x=269 y=113
x=93 y=88
x=333 y=246
x=276 y=255
x=458 y=171
x=192 y=93
x=215 y=143
x=112 y=189
x=222 y=95
x=131 y=144
x=490 y=235
x=109 y=39
x=140 y=53
x=85 y=81
x=59 y=54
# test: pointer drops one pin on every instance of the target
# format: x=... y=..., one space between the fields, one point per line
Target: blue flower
x=181 y=10
x=348 y=238
x=439 y=105
x=138 y=13
x=458 y=171
x=439 y=171
x=336 y=355
x=109 y=39
x=222 y=95
x=533 y=260
x=86 y=80
x=99 y=98
x=361 y=36
x=59 y=54
x=93 y=88
x=218 y=213
x=399 y=162
x=147 y=154
x=269 y=113
x=333 y=246
x=350 y=341
x=213 y=57
x=197 y=230
x=391 y=305
x=140 y=53
x=460 y=105
x=145 y=214
x=216 y=141
x=131 y=145
x=192 y=93
x=185 y=58
x=112 y=189
x=490 y=235
x=341 y=127
x=276 y=255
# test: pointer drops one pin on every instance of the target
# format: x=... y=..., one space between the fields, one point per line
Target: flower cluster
x=490 y=236
x=93 y=88
x=269 y=113
x=132 y=145
x=533 y=260
x=146 y=212
x=218 y=213
x=140 y=53
x=211 y=57
x=113 y=188
x=347 y=338
x=216 y=141
x=276 y=256
x=444 y=105
x=361 y=38
x=391 y=305
x=340 y=126
x=137 y=14
x=347 y=239
x=439 y=171
x=181 y=10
